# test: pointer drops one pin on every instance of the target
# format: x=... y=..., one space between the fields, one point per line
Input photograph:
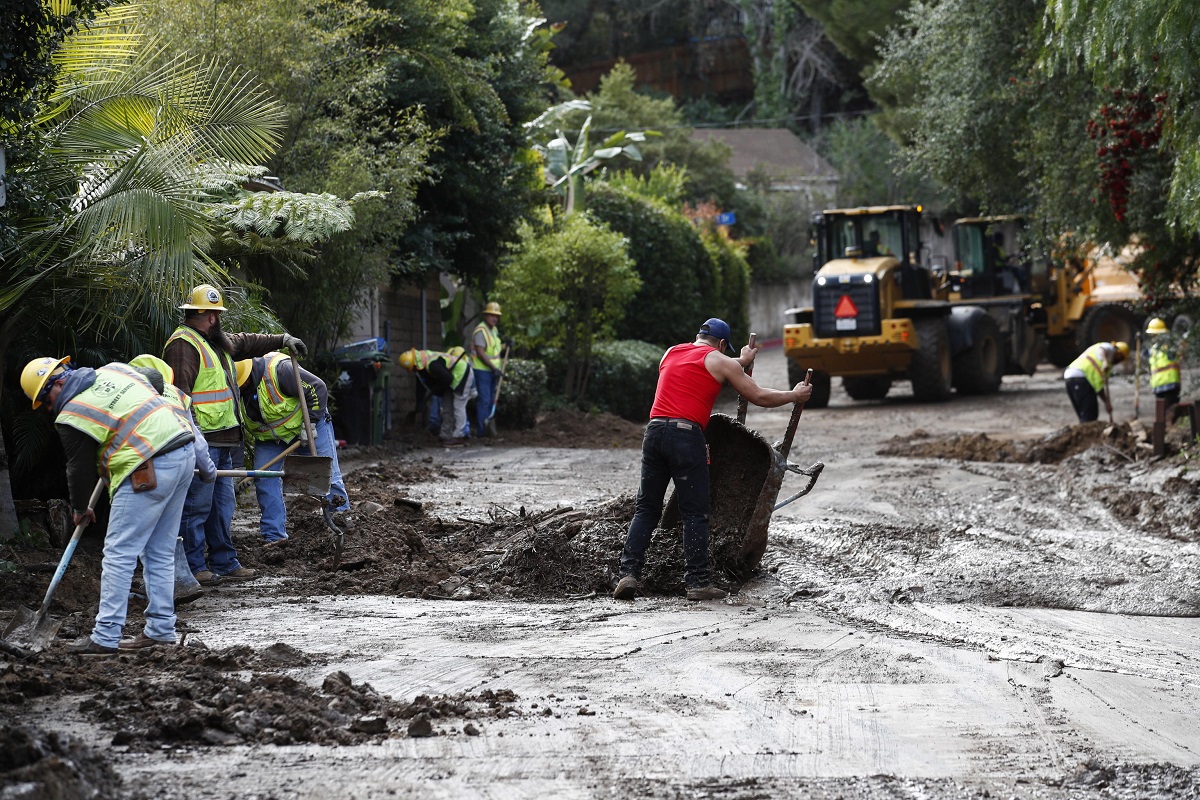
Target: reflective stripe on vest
x=1164 y=370
x=492 y=346
x=213 y=402
x=1094 y=366
x=129 y=419
x=281 y=415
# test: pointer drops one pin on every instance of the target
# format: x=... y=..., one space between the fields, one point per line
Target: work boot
x=241 y=574
x=87 y=646
x=206 y=577
x=627 y=588
x=141 y=642
x=709 y=592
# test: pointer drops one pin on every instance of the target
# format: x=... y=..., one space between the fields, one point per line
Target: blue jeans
x=207 y=516
x=485 y=384
x=672 y=450
x=144 y=524
x=270 y=490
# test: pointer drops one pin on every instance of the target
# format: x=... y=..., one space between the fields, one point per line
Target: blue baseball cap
x=717 y=328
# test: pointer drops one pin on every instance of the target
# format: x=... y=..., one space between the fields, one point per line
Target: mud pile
x=1130 y=440
x=40 y=765
x=192 y=695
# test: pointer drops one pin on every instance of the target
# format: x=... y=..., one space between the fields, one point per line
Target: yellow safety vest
x=492 y=346
x=127 y=417
x=1094 y=365
x=456 y=359
x=1164 y=368
x=281 y=415
x=213 y=402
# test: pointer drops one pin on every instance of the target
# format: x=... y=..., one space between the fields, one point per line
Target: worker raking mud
x=1087 y=378
x=674 y=449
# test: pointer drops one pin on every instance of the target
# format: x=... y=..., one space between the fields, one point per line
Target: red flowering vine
x=1124 y=129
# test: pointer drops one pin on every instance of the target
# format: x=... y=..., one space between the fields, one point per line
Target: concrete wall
x=406 y=317
x=768 y=302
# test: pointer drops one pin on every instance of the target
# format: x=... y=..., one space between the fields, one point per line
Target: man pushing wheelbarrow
x=674 y=448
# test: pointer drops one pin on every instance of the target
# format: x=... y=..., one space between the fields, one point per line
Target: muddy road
x=978 y=599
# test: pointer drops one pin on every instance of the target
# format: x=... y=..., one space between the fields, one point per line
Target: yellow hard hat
x=244 y=368
x=154 y=362
x=1156 y=326
x=36 y=373
x=408 y=359
x=1122 y=350
x=492 y=308
x=204 y=297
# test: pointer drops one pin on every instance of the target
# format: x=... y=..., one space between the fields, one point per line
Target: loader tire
x=980 y=368
x=1108 y=322
x=820 y=383
x=930 y=370
x=871 y=387
x=1062 y=350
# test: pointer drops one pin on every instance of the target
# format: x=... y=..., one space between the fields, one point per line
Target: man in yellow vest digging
x=1164 y=365
x=274 y=422
x=448 y=376
x=111 y=420
x=202 y=356
x=486 y=344
x=1087 y=378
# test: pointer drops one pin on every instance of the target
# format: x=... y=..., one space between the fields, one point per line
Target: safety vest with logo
x=456 y=360
x=1094 y=365
x=281 y=415
x=129 y=419
x=492 y=346
x=1164 y=369
x=214 y=404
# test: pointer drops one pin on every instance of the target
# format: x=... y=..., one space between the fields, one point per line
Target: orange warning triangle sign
x=845 y=308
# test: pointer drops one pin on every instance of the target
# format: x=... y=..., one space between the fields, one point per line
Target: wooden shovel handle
x=308 y=429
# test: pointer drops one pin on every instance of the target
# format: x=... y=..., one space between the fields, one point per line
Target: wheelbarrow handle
x=743 y=403
x=797 y=409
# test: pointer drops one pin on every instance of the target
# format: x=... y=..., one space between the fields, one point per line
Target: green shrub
x=623 y=377
x=678 y=289
x=522 y=393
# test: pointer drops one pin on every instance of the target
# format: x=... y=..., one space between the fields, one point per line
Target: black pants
x=672 y=450
x=1083 y=398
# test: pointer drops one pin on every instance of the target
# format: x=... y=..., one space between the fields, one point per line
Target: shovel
x=30 y=632
x=313 y=472
x=242 y=484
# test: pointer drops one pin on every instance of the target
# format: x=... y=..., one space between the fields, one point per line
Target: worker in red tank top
x=673 y=449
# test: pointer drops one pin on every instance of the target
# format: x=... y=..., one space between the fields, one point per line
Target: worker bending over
x=1087 y=378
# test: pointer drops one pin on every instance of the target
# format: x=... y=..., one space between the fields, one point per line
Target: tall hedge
x=682 y=285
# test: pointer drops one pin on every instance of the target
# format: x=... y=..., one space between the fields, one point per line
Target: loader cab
x=988 y=260
x=889 y=232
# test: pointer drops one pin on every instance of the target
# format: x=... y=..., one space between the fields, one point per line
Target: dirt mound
x=41 y=765
x=1127 y=439
x=196 y=696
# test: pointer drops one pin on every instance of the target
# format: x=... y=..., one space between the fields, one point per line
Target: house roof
x=782 y=153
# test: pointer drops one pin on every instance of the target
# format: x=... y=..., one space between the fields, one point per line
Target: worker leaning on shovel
x=674 y=449
x=114 y=421
x=1087 y=378
x=202 y=355
x=275 y=423
x=486 y=343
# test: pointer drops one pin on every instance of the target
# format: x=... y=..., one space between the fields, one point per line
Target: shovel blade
x=311 y=475
x=30 y=630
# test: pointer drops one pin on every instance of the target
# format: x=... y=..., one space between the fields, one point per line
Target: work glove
x=290 y=341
